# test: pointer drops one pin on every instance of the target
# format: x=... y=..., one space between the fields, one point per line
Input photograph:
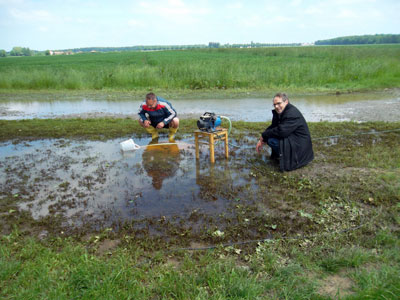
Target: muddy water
x=372 y=106
x=95 y=183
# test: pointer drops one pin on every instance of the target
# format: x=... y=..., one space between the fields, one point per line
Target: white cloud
x=135 y=23
x=351 y=2
x=296 y=2
x=260 y=22
x=31 y=15
x=252 y=22
x=235 y=5
x=347 y=14
x=73 y=23
x=11 y=2
x=313 y=11
x=281 y=19
x=79 y=20
x=172 y=9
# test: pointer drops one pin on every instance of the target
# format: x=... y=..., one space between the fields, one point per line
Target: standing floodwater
x=92 y=182
x=357 y=107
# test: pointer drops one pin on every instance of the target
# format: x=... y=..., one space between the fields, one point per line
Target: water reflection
x=160 y=161
x=216 y=181
x=92 y=182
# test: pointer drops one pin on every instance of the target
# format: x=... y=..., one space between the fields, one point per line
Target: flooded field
x=95 y=185
x=160 y=191
x=372 y=106
x=84 y=186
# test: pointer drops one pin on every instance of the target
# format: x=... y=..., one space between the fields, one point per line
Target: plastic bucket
x=128 y=145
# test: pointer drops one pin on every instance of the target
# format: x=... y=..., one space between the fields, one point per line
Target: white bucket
x=129 y=145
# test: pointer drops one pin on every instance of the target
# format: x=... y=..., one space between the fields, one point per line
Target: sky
x=67 y=24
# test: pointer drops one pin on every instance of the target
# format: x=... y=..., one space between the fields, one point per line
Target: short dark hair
x=151 y=96
x=283 y=96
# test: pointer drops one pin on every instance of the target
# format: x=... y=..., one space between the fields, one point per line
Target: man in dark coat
x=288 y=136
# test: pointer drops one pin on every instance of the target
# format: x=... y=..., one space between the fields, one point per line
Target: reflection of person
x=288 y=135
x=161 y=161
x=156 y=113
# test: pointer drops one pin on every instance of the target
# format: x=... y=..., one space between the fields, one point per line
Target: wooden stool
x=211 y=137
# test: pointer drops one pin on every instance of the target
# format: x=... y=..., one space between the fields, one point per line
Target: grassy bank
x=99 y=128
x=349 y=266
x=338 y=68
x=331 y=229
x=107 y=128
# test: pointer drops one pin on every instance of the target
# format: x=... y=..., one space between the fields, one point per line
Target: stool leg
x=196 y=142
x=212 y=158
x=226 y=145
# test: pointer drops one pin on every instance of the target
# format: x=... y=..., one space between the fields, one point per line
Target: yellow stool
x=211 y=137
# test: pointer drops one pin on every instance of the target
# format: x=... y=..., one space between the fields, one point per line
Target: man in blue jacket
x=288 y=135
x=156 y=113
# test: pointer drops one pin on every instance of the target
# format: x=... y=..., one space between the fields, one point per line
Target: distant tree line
x=20 y=51
x=175 y=47
x=135 y=48
x=362 y=39
x=260 y=45
x=347 y=40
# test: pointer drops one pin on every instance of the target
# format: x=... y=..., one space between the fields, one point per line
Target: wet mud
x=161 y=192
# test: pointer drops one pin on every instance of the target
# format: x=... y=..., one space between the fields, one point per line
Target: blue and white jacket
x=164 y=112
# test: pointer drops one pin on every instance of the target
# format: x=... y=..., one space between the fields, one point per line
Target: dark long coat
x=295 y=145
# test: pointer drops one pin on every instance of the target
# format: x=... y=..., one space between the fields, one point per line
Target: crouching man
x=156 y=113
x=288 y=136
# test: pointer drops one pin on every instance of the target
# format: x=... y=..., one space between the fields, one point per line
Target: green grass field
x=335 y=223
x=331 y=68
x=344 y=208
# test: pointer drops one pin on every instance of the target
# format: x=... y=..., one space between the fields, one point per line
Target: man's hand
x=146 y=123
x=259 y=145
x=160 y=125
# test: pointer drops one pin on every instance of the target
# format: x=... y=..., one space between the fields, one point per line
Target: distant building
x=60 y=52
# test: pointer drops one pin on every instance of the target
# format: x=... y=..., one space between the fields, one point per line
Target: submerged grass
x=333 y=227
x=324 y=68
